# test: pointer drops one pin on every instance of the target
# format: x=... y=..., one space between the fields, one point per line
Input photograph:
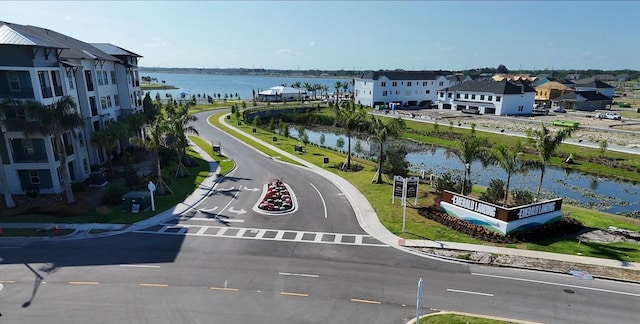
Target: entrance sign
x=405 y=187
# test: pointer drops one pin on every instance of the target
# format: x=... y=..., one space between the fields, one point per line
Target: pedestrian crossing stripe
x=264 y=234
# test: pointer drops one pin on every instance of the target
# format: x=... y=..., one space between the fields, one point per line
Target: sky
x=352 y=35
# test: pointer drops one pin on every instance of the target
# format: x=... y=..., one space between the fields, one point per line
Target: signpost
x=405 y=188
x=152 y=188
x=418 y=301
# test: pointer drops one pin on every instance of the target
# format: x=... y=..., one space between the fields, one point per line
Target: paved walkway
x=365 y=214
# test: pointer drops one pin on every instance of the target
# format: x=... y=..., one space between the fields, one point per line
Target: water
x=243 y=85
x=576 y=188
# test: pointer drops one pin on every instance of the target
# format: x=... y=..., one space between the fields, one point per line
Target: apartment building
x=42 y=65
x=489 y=97
x=404 y=88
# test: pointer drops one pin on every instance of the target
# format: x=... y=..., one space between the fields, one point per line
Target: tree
x=179 y=126
x=381 y=131
x=546 y=144
x=106 y=139
x=469 y=149
x=511 y=160
x=6 y=109
x=337 y=86
x=55 y=121
x=156 y=134
x=350 y=119
x=502 y=69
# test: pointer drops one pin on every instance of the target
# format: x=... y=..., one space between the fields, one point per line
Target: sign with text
x=398 y=184
x=502 y=213
x=412 y=187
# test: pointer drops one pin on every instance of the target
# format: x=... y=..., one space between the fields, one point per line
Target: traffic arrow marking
x=235 y=211
x=251 y=189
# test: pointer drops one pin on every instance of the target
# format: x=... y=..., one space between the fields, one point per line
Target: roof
x=553 y=85
x=592 y=83
x=405 y=75
x=279 y=90
x=490 y=86
x=36 y=36
x=113 y=49
x=586 y=95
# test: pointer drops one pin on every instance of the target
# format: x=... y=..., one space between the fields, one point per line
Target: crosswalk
x=263 y=234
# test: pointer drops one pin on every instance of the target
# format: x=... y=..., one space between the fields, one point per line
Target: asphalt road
x=309 y=266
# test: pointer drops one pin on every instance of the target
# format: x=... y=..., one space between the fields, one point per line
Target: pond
x=575 y=187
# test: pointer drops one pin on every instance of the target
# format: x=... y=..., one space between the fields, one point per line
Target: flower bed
x=276 y=198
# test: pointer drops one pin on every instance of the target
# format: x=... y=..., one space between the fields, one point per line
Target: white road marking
x=470 y=292
x=324 y=205
x=139 y=266
x=298 y=274
x=217 y=220
x=556 y=284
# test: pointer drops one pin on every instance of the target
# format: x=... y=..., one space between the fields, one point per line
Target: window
x=497 y=98
x=89 y=79
x=450 y=95
x=473 y=97
x=441 y=94
x=27 y=146
x=85 y=164
x=428 y=92
x=116 y=100
x=481 y=97
x=109 y=102
x=383 y=84
x=457 y=96
x=394 y=84
x=103 y=102
x=466 y=96
x=424 y=83
x=57 y=84
x=104 y=76
x=113 y=77
x=384 y=93
x=408 y=83
x=80 y=139
x=99 y=77
x=520 y=108
x=14 y=81
x=45 y=86
x=70 y=78
x=440 y=84
x=490 y=98
x=34 y=177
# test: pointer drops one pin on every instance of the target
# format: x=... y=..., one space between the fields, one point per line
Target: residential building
x=404 y=88
x=549 y=90
x=593 y=84
x=581 y=100
x=42 y=65
x=489 y=97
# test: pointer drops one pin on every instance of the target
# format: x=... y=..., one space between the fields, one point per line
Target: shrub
x=113 y=194
x=522 y=197
x=495 y=192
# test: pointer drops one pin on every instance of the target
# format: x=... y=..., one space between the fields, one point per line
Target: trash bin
x=136 y=201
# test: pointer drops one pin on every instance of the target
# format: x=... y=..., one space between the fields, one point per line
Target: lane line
x=152 y=285
x=285 y=293
x=224 y=289
x=139 y=266
x=556 y=284
x=298 y=274
x=7 y=281
x=83 y=283
x=324 y=205
x=470 y=292
x=215 y=219
x=366 y=301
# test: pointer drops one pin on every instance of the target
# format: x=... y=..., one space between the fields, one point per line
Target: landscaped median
x=418 y=227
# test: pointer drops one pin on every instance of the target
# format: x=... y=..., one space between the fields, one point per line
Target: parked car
x=608 y=115
x=559 y=110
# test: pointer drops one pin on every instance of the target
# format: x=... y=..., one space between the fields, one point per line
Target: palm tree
x=469 y=149
x=337 y=86
x=178 y=128
x=6 y=107
x=156 y=134
x=106 y=138
x=56 y=121
x=350 y=119
x=345 y=87
x=546 y=144
x=381 y=131
x=511 y=160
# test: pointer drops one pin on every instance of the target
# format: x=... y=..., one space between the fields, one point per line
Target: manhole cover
x=569 y=291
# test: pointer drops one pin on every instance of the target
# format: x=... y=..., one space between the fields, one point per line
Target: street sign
x=151 y=186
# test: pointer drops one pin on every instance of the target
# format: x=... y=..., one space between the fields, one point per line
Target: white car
x=608 y=115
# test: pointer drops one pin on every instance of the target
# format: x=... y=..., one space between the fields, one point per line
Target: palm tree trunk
x=349 y=152
x=62 y=156
x=540 y=183
x=506 y=191
x=8 y=198
x=159 y=182
x=379 y=179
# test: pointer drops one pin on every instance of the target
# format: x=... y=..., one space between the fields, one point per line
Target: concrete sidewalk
x=365 y=214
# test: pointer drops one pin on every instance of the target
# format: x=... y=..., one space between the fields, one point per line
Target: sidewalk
x=365 y=215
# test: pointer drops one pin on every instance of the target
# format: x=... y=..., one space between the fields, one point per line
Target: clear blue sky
x=332 y=35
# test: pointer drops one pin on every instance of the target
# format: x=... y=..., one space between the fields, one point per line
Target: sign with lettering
x=398 y=184
x=412 y=187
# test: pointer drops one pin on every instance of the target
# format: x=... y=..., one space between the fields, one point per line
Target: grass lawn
x=459 y=319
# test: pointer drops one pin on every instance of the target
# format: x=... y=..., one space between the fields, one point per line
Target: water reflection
x=575 y=187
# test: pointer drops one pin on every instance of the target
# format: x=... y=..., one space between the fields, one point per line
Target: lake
x=576 y=188
x=243 y=85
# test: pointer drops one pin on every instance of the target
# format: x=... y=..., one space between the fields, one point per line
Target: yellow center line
x=152 y=285
x=225 y=289
x=366 y=301
x=293 y=294
x=83 y=283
